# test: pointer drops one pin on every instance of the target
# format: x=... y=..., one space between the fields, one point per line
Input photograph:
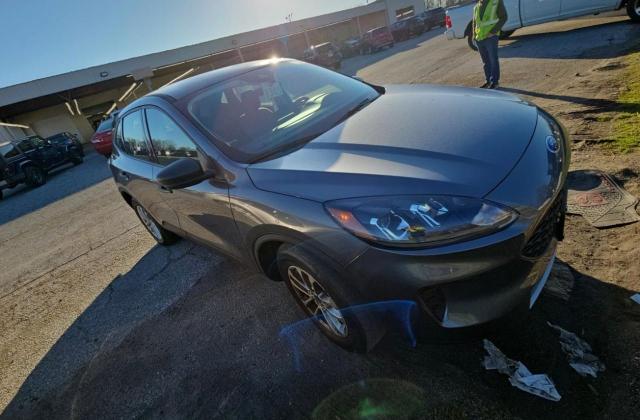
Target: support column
x=306 y=38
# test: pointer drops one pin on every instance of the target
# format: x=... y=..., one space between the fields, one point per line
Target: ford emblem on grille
x=552 y=144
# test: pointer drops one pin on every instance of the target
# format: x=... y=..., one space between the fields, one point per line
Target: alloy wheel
x=150 y=224
x=317 y=301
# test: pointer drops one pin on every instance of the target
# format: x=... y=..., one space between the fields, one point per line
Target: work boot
x=486 y=85
x=494 y=85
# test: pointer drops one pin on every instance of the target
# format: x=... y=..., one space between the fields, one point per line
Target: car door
x=132 y=163
x=37 y=149
x=203 y=210
x=513 y=14
x=538 y=11
x=580 y=7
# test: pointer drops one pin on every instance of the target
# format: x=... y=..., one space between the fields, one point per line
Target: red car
x=101 y=139
x=377 y=39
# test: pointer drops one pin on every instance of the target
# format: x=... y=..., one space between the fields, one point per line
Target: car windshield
x=57 y=139
x=275 y=108
x=323 y=48
x=105 y=125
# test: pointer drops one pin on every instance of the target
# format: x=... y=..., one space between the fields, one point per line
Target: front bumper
x=456 y=289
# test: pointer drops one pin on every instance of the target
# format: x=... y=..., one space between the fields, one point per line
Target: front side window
x=26 y=146
x=169 y=141
x=275 y=107
x=133 y=141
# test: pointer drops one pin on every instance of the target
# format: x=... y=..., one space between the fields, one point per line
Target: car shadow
x=61 y=183
x=351 y=66
x=600 y=41
x=595 y=105
x=209 y=342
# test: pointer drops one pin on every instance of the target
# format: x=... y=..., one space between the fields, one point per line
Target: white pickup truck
x=531 y=12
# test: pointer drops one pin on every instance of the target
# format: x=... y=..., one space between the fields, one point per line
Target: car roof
x=183 y=88
x=16 y=141
x=193 y=84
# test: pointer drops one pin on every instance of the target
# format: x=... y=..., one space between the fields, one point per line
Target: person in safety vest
x=489 y=16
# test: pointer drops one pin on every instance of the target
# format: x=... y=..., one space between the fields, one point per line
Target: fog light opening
x=435 y=303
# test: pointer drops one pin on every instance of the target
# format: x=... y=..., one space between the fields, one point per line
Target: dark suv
x=433 y=18
x=407 y=28
x=67 y=140
x=28 y=160
x=325 y=55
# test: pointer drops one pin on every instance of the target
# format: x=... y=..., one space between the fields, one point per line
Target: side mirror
x=182 y=173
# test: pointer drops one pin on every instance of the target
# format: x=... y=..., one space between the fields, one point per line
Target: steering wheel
x=301 y=101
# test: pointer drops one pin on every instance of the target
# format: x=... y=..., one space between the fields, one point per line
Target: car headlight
x=419 y=220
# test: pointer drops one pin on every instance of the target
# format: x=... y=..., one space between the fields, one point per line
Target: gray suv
x=350 y=193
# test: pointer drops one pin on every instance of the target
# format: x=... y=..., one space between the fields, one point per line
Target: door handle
x=124 y=175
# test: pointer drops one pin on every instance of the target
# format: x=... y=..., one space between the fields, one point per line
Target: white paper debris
x=636 y=298
x=519 y=375
x=579 y=353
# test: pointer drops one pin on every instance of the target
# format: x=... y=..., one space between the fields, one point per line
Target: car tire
x=472 y=42
x=506 y=34
x=35 y=176
x=633 y=10
x=76 y=158
x=160 y=234
x=303 y=271
x=1 y=195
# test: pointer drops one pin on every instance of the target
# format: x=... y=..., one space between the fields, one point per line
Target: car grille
x=552 y=224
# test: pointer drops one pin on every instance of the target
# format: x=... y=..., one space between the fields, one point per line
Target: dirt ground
x=96 y=321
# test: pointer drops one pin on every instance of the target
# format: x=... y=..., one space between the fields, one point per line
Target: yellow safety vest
x=486 y=22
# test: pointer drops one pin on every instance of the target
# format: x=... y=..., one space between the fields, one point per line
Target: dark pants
x=488 y=49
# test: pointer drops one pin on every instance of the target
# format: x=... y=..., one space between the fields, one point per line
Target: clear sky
x=40 y=38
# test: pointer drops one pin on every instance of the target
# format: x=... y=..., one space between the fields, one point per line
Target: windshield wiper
x=288 y=147
x=355 y=109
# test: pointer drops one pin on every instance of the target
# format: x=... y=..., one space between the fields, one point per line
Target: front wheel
x=76 y=158
x=633 y=10
x=506 y=34
x=35 y=176
x=160 y=234
x=319 y=292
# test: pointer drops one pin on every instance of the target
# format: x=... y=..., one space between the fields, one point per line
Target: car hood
x=411 y=140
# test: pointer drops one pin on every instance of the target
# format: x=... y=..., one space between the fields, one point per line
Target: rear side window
x=133 y=141
x=169 y=141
